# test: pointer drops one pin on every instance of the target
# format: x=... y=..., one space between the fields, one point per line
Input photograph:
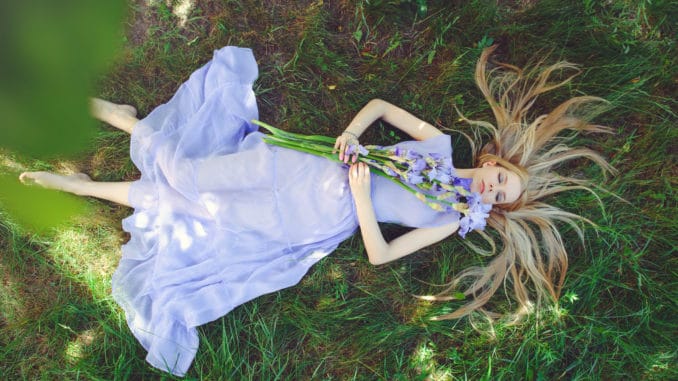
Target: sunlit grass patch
x=77 y=348
x=89 y=255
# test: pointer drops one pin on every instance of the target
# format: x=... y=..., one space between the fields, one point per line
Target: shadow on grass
x=58 y=318
x=50 y=319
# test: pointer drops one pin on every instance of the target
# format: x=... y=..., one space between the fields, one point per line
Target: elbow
x=376 y=262
x=379 y=258
x=377 y=103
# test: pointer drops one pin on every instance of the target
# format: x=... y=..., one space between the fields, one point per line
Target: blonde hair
x=532 y=259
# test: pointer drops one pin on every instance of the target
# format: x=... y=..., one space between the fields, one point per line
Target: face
x=496 y=184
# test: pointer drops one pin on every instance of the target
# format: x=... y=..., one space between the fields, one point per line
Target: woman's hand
x=342 y=144
x=359 y=179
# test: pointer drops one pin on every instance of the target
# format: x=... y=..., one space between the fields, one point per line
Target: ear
x=490 y=163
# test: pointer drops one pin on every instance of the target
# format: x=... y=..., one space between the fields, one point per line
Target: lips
x=482 y=186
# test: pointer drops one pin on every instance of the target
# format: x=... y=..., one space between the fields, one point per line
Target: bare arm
x=394 y=115
x=378 y=250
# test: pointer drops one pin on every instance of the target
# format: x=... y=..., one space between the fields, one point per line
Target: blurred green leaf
x=51 y=53
x=37 y=208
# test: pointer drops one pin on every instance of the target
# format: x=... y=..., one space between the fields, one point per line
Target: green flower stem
x=292 y=135
x=302 y=148
x=323 y=146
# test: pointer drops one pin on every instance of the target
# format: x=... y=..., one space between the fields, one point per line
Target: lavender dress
x=221 y=217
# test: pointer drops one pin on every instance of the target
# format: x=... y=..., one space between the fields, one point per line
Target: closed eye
x=499 y=197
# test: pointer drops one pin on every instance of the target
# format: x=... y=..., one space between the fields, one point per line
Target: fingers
x=359 y=172
x=338 y=144
x=364 y=171
x=343 y=145
x=344 y=151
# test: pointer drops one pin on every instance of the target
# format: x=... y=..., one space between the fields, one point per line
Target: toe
x=26 y=177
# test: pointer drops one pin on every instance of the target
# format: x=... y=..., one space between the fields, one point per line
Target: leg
x=119 y=116
x=81 y=185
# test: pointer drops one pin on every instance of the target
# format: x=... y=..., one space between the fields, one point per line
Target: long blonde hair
x=532 y=259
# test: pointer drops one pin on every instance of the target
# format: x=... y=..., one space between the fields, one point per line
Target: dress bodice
x=394 y=204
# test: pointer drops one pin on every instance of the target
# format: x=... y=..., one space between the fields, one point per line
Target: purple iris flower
x=472 y=221
x=476 y=205
x=464 y=226
x=463 y=182
x=476 y=218
x=412 y=155
x=436 y=156
x=473 y=200
x=357 y=149
x=415 y=178
x=443 y=177
x=389 y=171
x=418 y=164
x=453 y=197
x=432 y=173
x=363 y=151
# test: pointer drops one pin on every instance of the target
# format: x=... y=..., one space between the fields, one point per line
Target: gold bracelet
x=350 y=133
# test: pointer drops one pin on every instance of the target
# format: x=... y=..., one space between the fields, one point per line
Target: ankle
x=79 y=187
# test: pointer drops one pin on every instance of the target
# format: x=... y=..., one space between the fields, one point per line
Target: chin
x=475 y=186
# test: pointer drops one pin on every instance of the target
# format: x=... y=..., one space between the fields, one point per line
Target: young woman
x=220 y=217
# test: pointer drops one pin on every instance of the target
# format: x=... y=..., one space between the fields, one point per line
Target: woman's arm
x=394 y=115
x=378 y=250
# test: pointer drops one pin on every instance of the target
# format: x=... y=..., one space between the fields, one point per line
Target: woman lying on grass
x=221 y=217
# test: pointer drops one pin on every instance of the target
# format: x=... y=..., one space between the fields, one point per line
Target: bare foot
x=120 y=116
x=67 y=183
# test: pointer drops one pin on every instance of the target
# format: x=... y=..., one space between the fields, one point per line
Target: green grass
x=319 y=63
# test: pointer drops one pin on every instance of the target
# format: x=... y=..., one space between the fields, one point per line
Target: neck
x=466 y=173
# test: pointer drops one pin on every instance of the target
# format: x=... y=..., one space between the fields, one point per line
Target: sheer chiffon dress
x=220 y=217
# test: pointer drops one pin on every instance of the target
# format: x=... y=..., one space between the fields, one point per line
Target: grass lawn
x=319 y=63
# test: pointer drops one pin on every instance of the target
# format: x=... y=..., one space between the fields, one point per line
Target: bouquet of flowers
x=430 y=177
